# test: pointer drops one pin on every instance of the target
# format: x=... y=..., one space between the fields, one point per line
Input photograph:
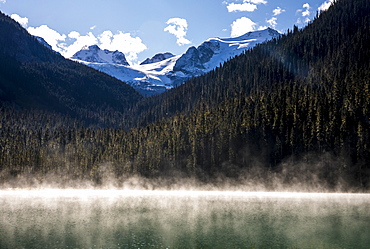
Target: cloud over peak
x=325 y=5
x=178 y=27
x=241 y=26
x=52 y=37
x=21 y=20
x=123 y=42
x=272 y=22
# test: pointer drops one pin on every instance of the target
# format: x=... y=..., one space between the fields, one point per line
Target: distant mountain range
x=164 y=70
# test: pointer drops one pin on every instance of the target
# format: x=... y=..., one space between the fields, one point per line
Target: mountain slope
x=34 y=77
x=298 y=105
x=165 y=71
x=289 y=114
x=299 y=54
x=215 y=51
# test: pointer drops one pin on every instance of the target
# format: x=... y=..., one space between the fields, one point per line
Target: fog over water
x=313 y=173
x=113 y=218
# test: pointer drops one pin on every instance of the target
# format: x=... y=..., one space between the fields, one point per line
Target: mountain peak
x=94 y=54
x=91 y=47
x=164 y=70
x=157 y=58
x=214 y=51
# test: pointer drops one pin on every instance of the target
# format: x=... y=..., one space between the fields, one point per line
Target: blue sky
x=142 y=28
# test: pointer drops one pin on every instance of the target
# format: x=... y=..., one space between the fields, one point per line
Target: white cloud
x=74 y=35
x=93 y=27
x=120 y=41
x=256 y=1
x=80 y=41
x=178 y=27
x=247 y=5
x=325 y=5
x=106 y=37
x=21 y=20
x=278 y=11
x=241 y=26
x=235 y=7
x=2 y=1
x=52 y=37
x=272 y=22
x=124 y=42
x=262 y=27
x=307 y=11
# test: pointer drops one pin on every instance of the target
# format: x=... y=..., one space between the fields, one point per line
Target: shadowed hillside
x=33 y=77
x=295 y=109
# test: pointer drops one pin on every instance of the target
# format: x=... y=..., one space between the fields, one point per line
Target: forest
x=295 y=109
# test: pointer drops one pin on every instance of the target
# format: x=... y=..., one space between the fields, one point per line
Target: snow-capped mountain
x=214 y=51
x=95 y=54
x=165 y=71
x=158 y=58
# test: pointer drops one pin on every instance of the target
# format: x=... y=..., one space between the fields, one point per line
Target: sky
x=143 y=28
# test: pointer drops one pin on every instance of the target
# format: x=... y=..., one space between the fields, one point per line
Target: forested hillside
x=33 y=77
x=336 y=43
x=296 y=108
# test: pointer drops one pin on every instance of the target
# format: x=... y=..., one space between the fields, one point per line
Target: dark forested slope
x=33 y=77
x=333 y=46
x=295 y=109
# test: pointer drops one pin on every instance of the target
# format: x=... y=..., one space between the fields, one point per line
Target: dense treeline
x=33 y=77
x=263 y=127
x=284 y=104
x=329 y=47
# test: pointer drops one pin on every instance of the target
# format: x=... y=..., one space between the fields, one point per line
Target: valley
x=292 y=108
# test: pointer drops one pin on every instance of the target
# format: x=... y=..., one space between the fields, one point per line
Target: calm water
x=152 y=219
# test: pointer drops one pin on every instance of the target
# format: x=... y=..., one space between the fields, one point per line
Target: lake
x=53 y=218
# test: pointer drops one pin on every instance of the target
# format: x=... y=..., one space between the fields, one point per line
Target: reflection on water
x=182 y=219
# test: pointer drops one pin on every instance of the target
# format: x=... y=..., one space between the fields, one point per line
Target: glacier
x=164 y=70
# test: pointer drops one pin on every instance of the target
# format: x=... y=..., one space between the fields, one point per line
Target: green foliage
x=306 y=92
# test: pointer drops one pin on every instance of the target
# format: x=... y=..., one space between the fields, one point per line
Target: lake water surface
x=182 y=219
